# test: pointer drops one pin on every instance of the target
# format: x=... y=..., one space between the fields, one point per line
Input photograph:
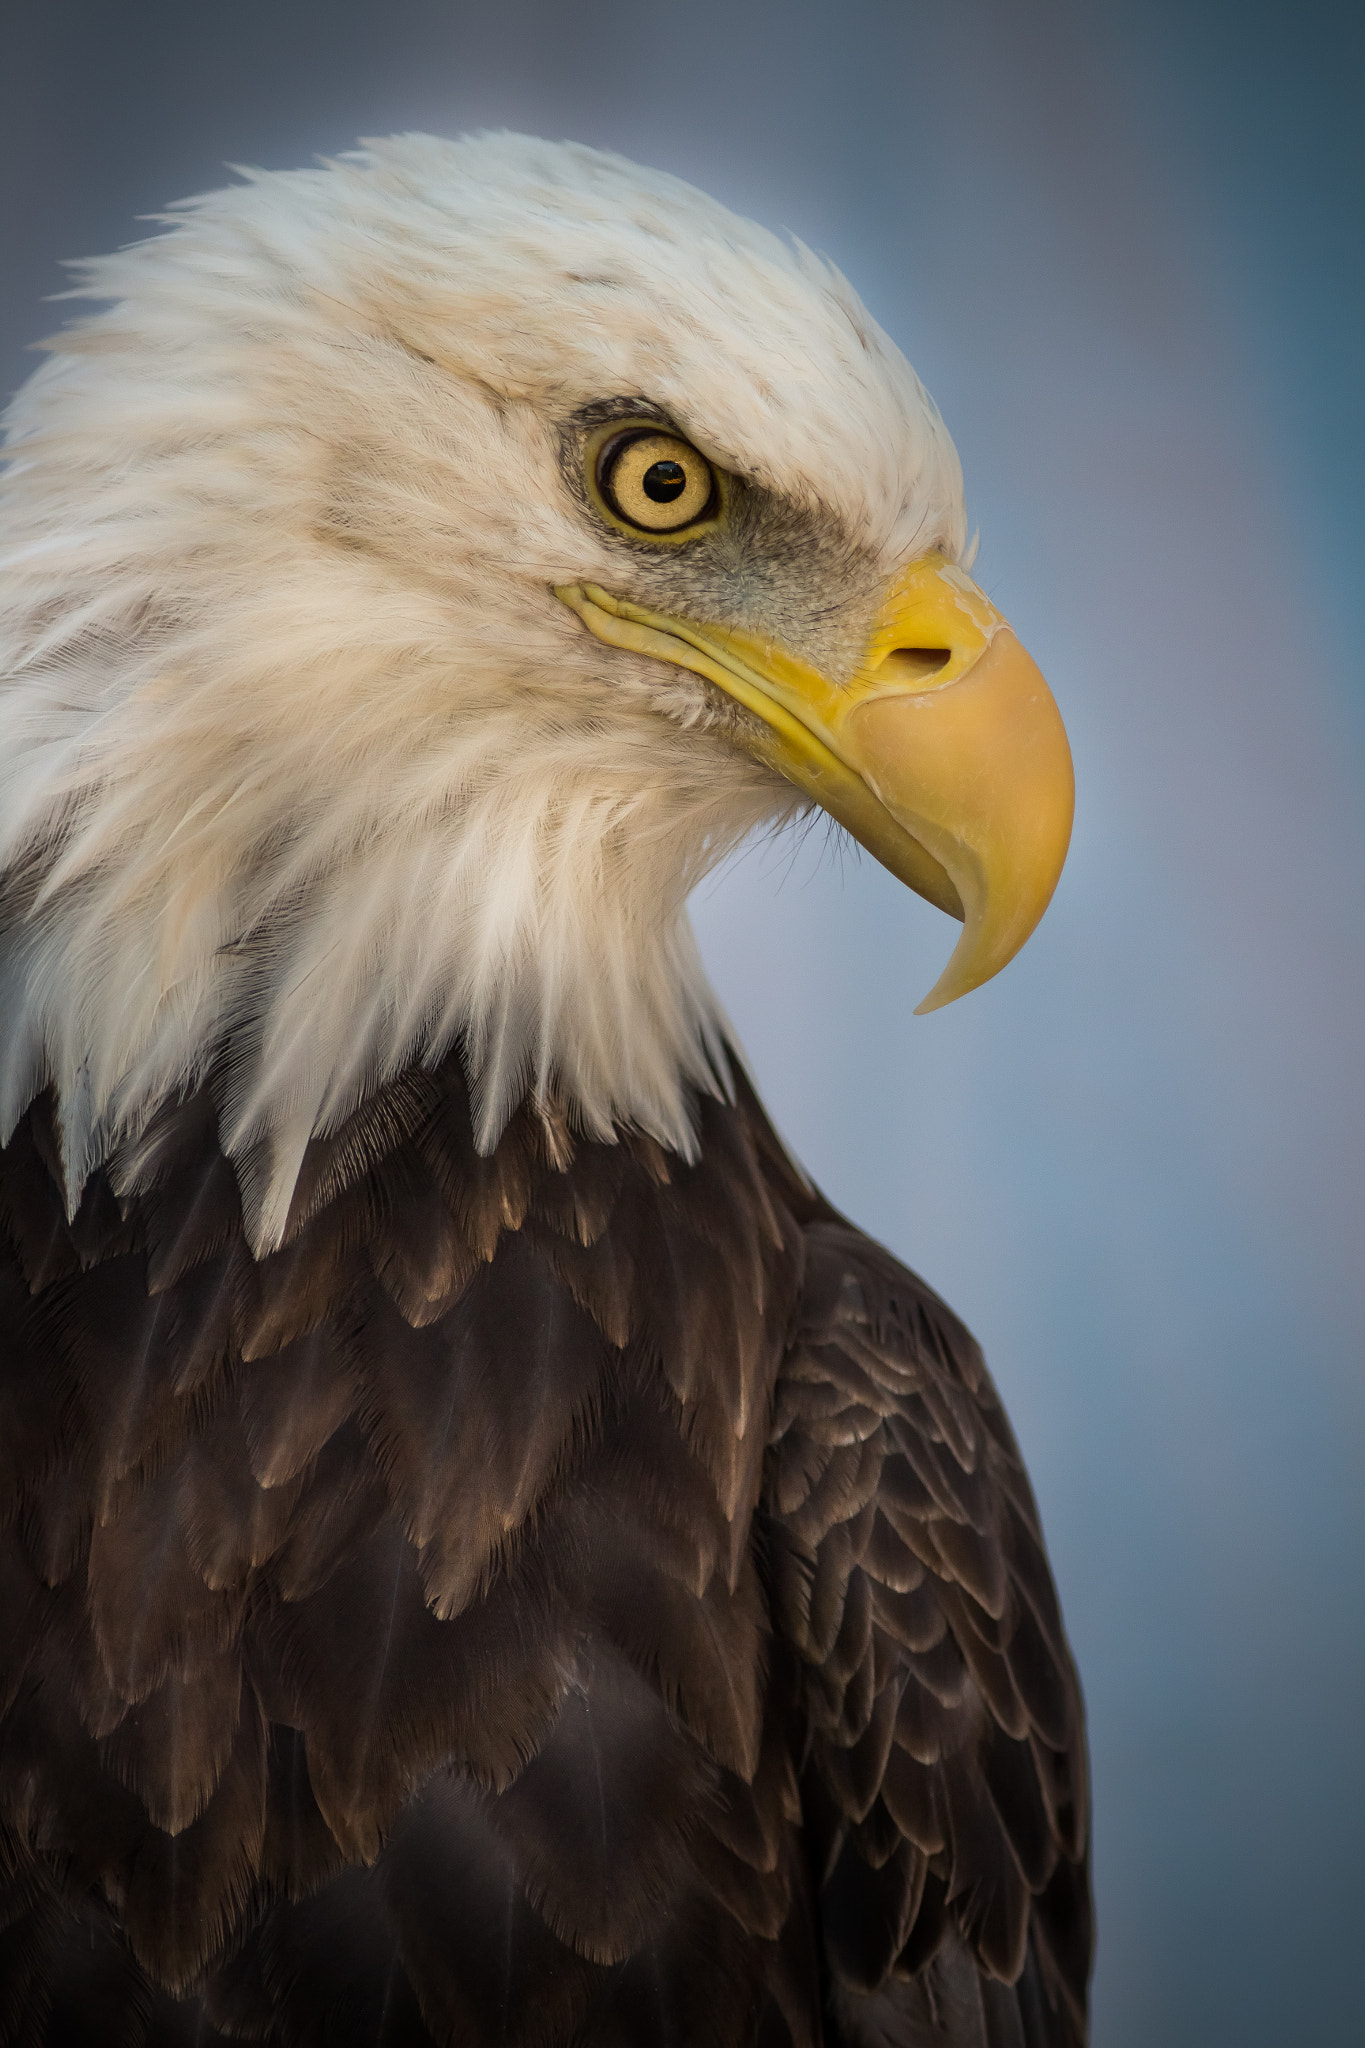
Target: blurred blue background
x=1123 y=245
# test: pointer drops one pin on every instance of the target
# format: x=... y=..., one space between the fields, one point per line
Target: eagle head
x=419 y=572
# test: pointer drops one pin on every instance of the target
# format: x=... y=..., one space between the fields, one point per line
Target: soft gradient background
x=1122 y=244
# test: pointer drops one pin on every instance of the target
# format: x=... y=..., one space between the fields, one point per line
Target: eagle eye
x=654 y=481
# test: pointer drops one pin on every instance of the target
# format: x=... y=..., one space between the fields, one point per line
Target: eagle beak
x=944 y=754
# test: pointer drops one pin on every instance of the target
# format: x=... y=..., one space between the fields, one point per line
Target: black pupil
x=664 y=481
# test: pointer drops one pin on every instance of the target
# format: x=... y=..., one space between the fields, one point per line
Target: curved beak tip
x=980 y=773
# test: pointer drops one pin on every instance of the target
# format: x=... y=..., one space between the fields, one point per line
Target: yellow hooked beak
x=944 y=755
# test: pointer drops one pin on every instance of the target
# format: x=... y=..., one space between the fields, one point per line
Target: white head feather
x=304 y=770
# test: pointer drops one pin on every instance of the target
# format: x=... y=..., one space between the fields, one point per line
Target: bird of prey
x=488 y=1554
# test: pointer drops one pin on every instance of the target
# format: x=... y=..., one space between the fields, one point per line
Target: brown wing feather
x=944 y=1785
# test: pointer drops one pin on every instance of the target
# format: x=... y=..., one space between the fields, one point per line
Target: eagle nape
x=488 y=1554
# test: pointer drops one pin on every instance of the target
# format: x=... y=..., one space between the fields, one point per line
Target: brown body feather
x=562 y=1597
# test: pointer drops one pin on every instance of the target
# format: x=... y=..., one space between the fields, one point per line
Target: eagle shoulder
x=944 y=1777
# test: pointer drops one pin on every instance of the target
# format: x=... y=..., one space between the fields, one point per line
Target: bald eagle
x=488 y=1554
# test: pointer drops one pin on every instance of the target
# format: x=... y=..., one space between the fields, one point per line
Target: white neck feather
x=520 y=890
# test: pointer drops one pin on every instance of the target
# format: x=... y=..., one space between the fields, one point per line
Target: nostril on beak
x=915 y=666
